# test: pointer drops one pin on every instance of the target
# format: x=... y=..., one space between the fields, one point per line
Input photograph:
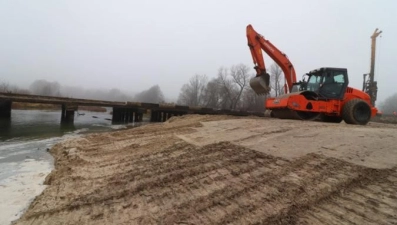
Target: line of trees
x=5 y=87
x=151 y=95
x=46 y=88
x=230 y=89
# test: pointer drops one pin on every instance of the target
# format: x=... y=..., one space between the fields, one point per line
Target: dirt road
x=219 y=170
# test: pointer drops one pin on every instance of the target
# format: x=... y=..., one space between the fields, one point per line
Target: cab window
x=313 y=83
x=339 y=78
x=333 y=84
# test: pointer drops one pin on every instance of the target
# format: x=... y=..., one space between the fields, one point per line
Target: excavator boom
x=261 y=82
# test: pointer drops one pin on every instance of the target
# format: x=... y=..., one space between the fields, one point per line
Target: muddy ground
x=222 y=169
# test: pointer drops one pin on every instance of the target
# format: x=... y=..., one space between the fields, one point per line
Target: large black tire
x=356 y=111
x=331 y=119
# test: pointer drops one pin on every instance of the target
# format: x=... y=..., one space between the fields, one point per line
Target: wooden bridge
x=123 y=112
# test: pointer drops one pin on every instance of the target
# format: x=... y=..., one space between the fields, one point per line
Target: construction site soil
x=199 y=169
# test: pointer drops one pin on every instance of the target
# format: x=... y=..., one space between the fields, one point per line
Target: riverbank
x=24 y=160
x=217 y=169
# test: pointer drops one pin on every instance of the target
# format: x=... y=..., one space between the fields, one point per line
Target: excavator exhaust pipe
x=260 y=84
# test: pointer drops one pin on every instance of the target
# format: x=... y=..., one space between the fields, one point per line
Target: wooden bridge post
x=131 y=113
x=5 y=109
x=138 y=117
x=123 y=115
x=113 y=115
x=156 y=116
x=169 y=115
x=152 y=115
x=126 y=115
x=67 y=116
x=117 y=115
x=159 y=116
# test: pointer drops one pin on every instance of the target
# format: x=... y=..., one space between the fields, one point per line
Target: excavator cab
x=327 y=82
x=300 y=85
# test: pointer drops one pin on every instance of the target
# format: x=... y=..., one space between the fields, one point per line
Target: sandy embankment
x=219 y=169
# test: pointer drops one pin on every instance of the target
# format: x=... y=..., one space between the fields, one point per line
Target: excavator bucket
x=260 y=84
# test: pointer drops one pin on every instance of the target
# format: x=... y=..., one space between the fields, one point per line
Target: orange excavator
x=323 y=94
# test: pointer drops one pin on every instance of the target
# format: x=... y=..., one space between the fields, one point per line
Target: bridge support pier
x=123 y=115
x=5 y=109
x=138 y=116
x=68 y=113
x=164 y=115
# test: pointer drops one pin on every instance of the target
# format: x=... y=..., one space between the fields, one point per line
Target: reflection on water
x=39 y=124
x=30 y=133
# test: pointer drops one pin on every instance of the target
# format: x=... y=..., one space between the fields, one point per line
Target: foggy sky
x=133 y=45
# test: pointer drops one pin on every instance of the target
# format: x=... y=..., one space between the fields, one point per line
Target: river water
x=24 y=160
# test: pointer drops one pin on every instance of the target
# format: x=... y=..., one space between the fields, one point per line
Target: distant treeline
x=229 y=89
x=46 y=88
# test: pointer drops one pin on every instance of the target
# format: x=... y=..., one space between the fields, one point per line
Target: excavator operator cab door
x=329 y=83
x=334 y=83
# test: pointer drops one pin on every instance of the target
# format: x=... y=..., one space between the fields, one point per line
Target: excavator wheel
x=356 y=111
x=331 y=119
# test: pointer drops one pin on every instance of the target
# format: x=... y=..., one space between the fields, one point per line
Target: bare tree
x=16 y=89
x=240 y=77
x=226 y=89
x=276 y=80
x=253 y=102
x=152 y=95
x=4 y=87
x=7 y=88
x=113 y=94
x=192 y=93
x=43 y=87
x=211 y=96
x=116 y=94
x=232 y=84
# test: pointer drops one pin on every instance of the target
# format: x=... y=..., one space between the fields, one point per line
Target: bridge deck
x=143 y=105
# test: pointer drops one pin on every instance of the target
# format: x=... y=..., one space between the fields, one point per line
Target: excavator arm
x=261 y=82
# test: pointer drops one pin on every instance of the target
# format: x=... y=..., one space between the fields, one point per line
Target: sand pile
x=220 y=169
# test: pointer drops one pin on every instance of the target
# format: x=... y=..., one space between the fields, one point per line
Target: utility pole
x=370 y=86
